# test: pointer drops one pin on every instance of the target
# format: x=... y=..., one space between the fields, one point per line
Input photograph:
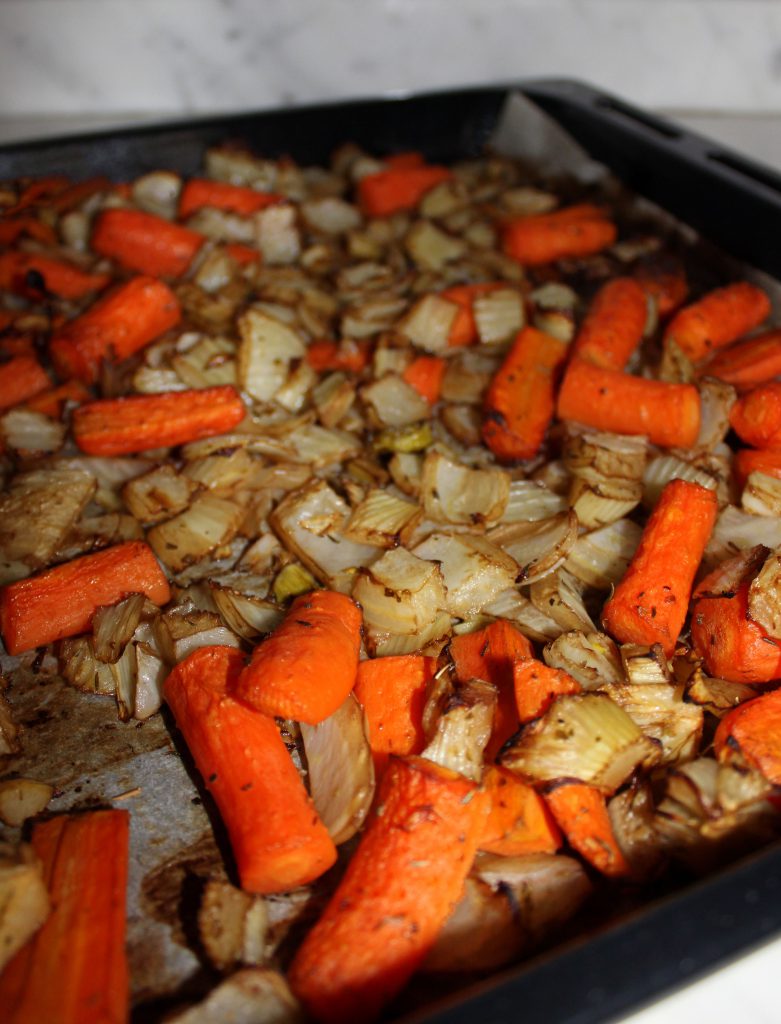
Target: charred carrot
x=403 y=161
x=425 y=375
x=401 y=884
x=756 y=417
x=12 y=345
x=536 y=684
x=242 y=254
x=665 y=281
x=752 y=731
x=77 y=193
x=122 y=426
x=463 y=330
x=520 y=401
x=200 y=192
x=60 y=602
x=748 y=363
x=21 y=378
x=668 y=414
x=51 y=402
x=490 y=654
x=307 y=667
x=350 y=356
x=74 y=970
x=650 y=603
x=117 y=325
x=721 y=317
x=581 y=814
x=614 y=325
x=398 y=188
x=277 y=838
x=756 y=460
x=518 y=820
x=39 y=190
x=392 y=692
x=34 y=275
x=11 y=230
x=544 y=238
x=140 y=241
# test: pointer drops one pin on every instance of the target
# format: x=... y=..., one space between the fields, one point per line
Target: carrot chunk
x=650 y=603
x=722 y=316
x=393 y=694
x=425 y=375
x=748 y=363
x=518 y=820
x=51 y=402
x=74 y=970
x=668 y=414
x=520 y=401
x=12 y=229
x=398 y=188
x=117 y=325
x=349 y=356
x=21 y=378
x=581 y=814
x=401 y=884
x=242 y=254
x=60 y=602
x=403 y=161
x=121 y=426
x=463 y=330
x=753 y=730
x=145 y=243
x=200 y=192
x=32 y=274
x=536 y=684
x=614 y=324
x=665 y=281
x=756 y=417
x=756 y=460
x=307 y=667
x=546 y=237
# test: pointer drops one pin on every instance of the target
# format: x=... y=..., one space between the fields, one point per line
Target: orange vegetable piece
x=32 y=274
x=463 y=330
x=400 y=886
x=403 y=161
x=748 y=363
x=38 y=190
x=122 y=426
x=14 y=227
x=756 y=417
x=242 y=254
x=546 y=237
x=307 y=667
x=60 y=602
x=145 y=243
x=536 y=684
x=518 y=820
x=74 y=195
x=614 y=324
x=753 y=730
x=349 y=356
x=668 y=414
x=52 y=402
x=74 y=969
x=665 y=281
x=756 y=460
x=200 y=192
x=425 y=375
x=119 y=324
x=650 y=603
x=581 y=813
x=722 y=316
x=398 y=188
x=20 y=379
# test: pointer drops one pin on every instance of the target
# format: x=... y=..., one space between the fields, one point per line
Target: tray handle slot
x=647 y=120
x=760 y=175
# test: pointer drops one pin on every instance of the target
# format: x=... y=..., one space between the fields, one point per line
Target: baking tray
x=735 y=203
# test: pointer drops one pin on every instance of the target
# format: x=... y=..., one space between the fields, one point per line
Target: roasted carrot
x=756 y=417
x=520 y=400
x=490 y=654
x=34 y=275
x=74 y=970
x=121 y=426
x=650 y=603
x=518 y=820
x=51 y=402
x=200 y=192
x=581 y=814
x=77 y=193
x=392 y=692
x=350 y=356
x=39 y=190
x=665 y=281
x=12 y=229
x=12 y=345
x=307 y=667
x=398 y=188
x=21 y=378
x=536 y=684
x=668 y=414
x=425 y=375
x=756 y=460
x=614 y=325
x=546 y=237
x=463 y=330
x=748 y=363
x=401 y=884
x=60 y=602
x=242 y=254
x=721 y=317
x=277 y=838
x=117 y=325
x=752 y=731
x=140 y=241
x=403 y=161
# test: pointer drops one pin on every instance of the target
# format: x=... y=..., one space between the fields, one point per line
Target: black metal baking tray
x=735 y=203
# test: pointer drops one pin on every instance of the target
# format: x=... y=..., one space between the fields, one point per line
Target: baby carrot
x=756 y=417
x=650 y=603
x=748 y=363
x=39 y=190
x=398 y=188
x=753 y=731
x=117 y=325
x=756 y=460
x=668 y=414
x=307 y=667
x=546 y=237
x=31 y=274
x=200 y=192
x=60 y=602
x=536 y=684
x=581 y=814
x=21 y=378
x=400 y=886
x=720 y=317
x=425 y=375
x=392 y=692
x=276 y=836
x=14 y=227
x=665 y=281
x=463 y=330
x=121 y=426
x=350 y=356
x=520 y=401
x=242 y=254
x=51 y=402
x=75 y=194
x=399 y=161
x=614 y=324
x=74 y=970
x=145 y=243
x=518 y=821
